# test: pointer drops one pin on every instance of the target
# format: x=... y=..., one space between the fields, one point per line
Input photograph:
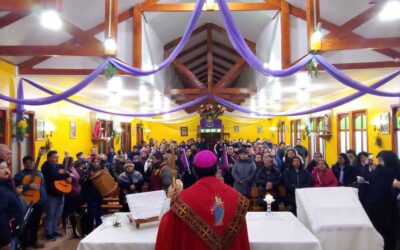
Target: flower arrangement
x=22 y=126
x=211 y=111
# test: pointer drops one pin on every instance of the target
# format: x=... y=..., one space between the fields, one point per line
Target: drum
x=104 y=183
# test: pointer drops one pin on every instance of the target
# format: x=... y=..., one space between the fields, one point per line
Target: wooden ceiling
x=208 y=65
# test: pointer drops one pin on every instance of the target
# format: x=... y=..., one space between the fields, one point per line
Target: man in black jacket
x=11 y=212
x=268 y=180
x=55 y=199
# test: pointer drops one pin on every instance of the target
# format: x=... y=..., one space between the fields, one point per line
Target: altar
x=278 y=231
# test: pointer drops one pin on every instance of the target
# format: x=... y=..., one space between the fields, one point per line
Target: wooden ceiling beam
x=91 y=32
x=193 y=80
x=224 y=58
x=193 y=48
x=46 y=71
x=198 y=66
x=220 y=66
x=231 y=74
x=175 y=42
x=210 y=65
x=249 y=90
x=188 y=7
x=366 y=65
x=357 y=43
x=44 y=50
x=111 y=20
x=28 y=5
x=186 y=91
x=12 y=17
x=80 y=36
x=225 y=48
x=299 y=13
x=355 y=22
x=312 y=14
x=219 y=72
x=285 y=35
x=222 y=31
x=137 y=37
x=196 y=58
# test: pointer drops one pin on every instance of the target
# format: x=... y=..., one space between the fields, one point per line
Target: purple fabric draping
x=174 y=109
x=188 y=32
x=304 y=112
x=20 y=95
x=333 y=71
x=58 y=97
x=243 y=49
x=184 y=160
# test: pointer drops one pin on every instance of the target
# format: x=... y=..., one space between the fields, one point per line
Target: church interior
x=134 y=104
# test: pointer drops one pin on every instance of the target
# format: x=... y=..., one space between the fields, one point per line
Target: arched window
x=343 y=132
x=360 y=134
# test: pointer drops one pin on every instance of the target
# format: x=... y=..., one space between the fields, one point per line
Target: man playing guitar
x=53 y=172
x=29 y=235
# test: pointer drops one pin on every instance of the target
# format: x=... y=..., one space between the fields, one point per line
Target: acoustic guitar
x=63 y=185
x=32 y=195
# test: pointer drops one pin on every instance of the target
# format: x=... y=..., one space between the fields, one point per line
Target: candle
x=269 y=198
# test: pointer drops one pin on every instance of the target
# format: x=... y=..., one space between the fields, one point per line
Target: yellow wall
x=60 y=114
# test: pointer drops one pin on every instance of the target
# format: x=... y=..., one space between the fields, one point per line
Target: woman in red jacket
x=322 y=176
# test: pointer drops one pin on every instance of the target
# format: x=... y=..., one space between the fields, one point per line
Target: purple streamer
x=184 y=161
x=188 y=32
x=333 y=71
x=304 y=112
x=177 y=108
x=243 y=49
x=58 y=97
x=20 y=95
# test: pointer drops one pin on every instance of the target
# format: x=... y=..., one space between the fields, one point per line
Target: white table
x=337 y=218
x=279 y=231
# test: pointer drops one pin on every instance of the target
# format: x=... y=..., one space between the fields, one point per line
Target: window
x=316 y=143
x=343 y=133
x=126 y=137
x=321 y=141
x=360 y=142
x=396 y=130
x=281 y=131
x=294 y=131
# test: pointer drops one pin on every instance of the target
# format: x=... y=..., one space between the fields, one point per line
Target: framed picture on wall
x=236 y=129
x=72 y=129
x=260 y=129
x=40 y=133
x=384 y=123
x=184 y=131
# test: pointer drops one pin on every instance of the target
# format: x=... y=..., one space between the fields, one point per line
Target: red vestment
x=191 y=222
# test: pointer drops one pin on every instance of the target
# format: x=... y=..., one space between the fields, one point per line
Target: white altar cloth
x=280 y=231
x=337 y=218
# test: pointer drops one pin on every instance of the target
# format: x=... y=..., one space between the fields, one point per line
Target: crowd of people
x=246 y=166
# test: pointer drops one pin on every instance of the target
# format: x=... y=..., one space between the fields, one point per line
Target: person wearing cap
x=130 y=182
x=244 y=172
x=208 y=215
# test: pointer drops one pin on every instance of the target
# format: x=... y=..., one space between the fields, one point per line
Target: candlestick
x=269 y=199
